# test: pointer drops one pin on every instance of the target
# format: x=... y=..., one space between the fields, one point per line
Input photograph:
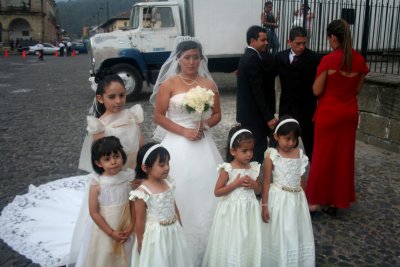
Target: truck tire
x=132 y=79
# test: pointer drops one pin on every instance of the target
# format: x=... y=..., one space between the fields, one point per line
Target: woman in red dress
x=340 y=77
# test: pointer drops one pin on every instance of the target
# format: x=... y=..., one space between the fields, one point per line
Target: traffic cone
x=23 y=53
x=6 y=53
x=56 y=54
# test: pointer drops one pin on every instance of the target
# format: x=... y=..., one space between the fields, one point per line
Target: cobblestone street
x=43 y=107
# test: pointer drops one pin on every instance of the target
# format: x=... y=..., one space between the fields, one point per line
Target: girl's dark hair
x=105 y=147
x=187 y=45
x=103 y=79
x=340 y=28
x=245 y=136
x=160 y=152
x=288 y=127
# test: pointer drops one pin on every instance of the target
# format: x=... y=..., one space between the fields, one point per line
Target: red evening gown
x=331 y=178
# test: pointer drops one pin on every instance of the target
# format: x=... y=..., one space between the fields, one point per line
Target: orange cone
x=23 y=53
x=6 y=53
x=56 y=54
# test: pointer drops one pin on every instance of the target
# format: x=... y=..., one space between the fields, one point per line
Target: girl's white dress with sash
x=123 y=125
x=288 y=239
x=235 y=236
x=164 y=243
x=98 y=249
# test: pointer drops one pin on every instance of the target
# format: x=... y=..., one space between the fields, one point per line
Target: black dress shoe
x=331 y=211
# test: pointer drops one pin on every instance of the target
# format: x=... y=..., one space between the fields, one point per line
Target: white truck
x=138 y=53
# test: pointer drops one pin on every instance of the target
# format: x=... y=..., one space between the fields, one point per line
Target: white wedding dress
x=40 y=223
x=193 y=165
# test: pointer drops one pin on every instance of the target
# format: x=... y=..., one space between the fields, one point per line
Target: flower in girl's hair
x=198 y=100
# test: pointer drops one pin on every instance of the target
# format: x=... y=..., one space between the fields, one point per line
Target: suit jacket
x=297 y=97
x=255 y=102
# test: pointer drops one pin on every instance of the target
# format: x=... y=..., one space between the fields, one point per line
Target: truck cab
x=137 y=54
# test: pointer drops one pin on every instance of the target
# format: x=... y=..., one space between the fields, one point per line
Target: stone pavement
x=42 y=122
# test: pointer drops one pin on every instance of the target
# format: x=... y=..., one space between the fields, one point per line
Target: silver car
x=48 y=49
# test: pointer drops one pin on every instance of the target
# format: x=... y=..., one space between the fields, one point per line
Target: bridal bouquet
x=197 y=101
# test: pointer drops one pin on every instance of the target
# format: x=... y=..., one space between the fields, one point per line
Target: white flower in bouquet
x=198 y=100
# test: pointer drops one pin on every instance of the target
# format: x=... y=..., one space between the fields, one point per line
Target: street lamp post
x=107 y=9
x=98 y=18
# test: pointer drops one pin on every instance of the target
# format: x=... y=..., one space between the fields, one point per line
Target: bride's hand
x=192 y=134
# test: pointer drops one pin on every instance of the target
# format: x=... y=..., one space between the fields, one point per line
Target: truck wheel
x=132 y=79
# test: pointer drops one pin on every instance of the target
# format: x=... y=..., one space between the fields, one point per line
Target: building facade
x=28 y=20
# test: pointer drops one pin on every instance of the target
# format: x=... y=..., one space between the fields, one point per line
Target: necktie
x=295 y=59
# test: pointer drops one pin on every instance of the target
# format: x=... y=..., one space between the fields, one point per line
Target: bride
x=194 y=155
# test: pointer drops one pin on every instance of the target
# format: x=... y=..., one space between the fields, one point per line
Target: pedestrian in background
x=40 y=51
x=62 y=46
x=69 y=48
x=271 y=22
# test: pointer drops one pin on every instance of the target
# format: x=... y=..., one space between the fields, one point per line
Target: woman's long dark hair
x=340 y=28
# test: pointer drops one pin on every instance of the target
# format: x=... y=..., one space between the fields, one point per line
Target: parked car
x=80 y=47
x=48 y=49
x=23 y=45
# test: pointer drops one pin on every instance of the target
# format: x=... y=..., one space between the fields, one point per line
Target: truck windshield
x=134 y=19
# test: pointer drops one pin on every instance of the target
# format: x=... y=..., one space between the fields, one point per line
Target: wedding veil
x=171 y=66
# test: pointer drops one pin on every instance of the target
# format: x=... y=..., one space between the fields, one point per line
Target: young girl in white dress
x=28 y=222
x=287 y=234
x=235 y=237
x=108 y=237
x=111 y=119
x=159 y=236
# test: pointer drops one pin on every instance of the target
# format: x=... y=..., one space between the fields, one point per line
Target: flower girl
x=159 y=236
x=111 y=119
x=108 y=239
x=287 y=234
x=235 y=237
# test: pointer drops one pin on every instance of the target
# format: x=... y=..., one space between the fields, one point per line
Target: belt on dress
x=288 y=188
x=169 y=221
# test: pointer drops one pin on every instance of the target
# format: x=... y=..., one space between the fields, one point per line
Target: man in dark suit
x=297 y=68
x=255 y=102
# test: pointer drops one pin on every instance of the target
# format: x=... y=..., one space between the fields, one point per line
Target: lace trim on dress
x=226 y=166
x=254 y=167
x=139 y=194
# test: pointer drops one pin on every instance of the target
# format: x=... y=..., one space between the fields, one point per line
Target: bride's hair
x=159 y=152
x=187 y=45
